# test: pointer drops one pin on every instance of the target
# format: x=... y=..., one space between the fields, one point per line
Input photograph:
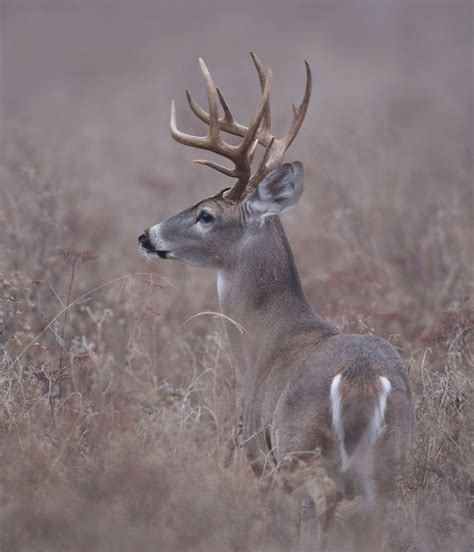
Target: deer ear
x=279 y=191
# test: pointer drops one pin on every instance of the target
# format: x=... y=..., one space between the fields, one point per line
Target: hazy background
x=89 y=86
x=383 y=237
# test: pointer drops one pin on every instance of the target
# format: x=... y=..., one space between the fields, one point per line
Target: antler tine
x=224 y=170
x=182 y=137
x=299 y=112
x=228 y=117
x=212 y=101
x=252 y=150
x=276 y=148
x=266 y=129
x=211 y=142
x=260 y=113
x=250 y=141
x=228 y=123
x=197 y=109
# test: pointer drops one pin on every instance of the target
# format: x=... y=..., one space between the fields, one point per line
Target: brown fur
x=360 y=389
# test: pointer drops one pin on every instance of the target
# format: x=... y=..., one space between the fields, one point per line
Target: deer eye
x=206 y=217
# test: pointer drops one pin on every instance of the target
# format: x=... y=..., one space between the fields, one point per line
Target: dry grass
x=116 y=432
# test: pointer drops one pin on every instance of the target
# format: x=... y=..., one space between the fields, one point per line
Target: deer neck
x=262 y=292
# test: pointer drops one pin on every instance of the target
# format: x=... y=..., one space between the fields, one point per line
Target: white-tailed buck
x=341 y=403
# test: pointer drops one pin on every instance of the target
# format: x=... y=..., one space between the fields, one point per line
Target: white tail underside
x=376 y=423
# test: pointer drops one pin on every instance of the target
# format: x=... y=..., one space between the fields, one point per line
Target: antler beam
x=258 y=132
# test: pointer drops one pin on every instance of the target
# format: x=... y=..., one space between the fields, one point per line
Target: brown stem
x=66 y=318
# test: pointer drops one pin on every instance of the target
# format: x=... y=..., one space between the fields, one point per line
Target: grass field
x=119 y=408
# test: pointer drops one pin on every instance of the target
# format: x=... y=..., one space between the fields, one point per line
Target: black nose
x=144 y=240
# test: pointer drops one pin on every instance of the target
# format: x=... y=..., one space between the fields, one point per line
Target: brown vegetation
x=119 y=422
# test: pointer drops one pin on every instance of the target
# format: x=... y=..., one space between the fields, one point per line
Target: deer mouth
x=150 y=252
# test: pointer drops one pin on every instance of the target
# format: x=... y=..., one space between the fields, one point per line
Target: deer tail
x=358 y=405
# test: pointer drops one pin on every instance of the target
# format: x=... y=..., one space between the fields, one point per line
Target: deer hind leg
x=317 y=504
x=307 y=495
x=317 y=509
x=386 y=476
x=382 y=513
x=316 y=495
x=374 y=521
x=372 y=526
x=309 y=526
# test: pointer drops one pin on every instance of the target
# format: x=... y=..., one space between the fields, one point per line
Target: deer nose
x=144 y=240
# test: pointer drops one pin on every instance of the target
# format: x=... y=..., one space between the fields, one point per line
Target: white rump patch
x=377 y=423
x=337 y=420
x=375 y=427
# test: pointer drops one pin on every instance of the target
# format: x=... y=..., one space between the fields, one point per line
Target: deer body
x=262 y=292
x=307 y=387
x=288 y=357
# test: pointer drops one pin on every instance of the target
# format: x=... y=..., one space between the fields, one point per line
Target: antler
x=242 y=155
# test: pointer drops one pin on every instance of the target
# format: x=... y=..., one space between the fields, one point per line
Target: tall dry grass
x=120 y=432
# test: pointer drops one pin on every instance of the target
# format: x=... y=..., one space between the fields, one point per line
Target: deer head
x=209 y=233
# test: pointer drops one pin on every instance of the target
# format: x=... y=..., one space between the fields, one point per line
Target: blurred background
x=109 y=401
